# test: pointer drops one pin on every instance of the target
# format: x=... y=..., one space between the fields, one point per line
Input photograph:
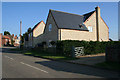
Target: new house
x=68 y=26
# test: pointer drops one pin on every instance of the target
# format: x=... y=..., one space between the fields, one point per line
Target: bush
x=90 y=47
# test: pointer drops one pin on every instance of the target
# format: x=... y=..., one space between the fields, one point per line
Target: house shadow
x=78 y=69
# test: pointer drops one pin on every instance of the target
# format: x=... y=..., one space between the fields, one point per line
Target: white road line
x=33 y=67
x=9 y=57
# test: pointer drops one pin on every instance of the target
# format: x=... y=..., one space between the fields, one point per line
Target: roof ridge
x=89 y=12
x=66 y=12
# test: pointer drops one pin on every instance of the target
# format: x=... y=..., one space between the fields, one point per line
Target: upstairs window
x=90 y=28
x=50 y=27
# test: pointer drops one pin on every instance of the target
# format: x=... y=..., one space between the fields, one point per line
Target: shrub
x=44 y=43
x=90 y=47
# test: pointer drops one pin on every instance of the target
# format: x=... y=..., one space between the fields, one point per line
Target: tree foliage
x=29 y=30
x=90 y=47
x=6 y=33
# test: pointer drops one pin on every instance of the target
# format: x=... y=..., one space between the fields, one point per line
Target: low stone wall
x=113 y=53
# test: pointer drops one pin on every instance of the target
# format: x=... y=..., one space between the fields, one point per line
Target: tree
x=6 y=33
x=29 y=30
x=8 y=43
x=12 y=41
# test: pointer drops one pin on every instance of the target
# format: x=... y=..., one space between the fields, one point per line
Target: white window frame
x=50 y=27
x=90 y=28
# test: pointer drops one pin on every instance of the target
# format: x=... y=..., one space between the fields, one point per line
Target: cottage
x=67 y=26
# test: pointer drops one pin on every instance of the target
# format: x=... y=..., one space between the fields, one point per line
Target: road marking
x=9 y=57
x=34 y=67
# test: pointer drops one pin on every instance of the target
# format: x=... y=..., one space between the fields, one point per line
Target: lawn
x=48 y=55
x=109 y=65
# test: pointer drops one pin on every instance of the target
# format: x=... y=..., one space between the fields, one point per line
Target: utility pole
x=20 y=33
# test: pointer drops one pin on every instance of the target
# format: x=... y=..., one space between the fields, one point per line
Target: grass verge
x=48 y=55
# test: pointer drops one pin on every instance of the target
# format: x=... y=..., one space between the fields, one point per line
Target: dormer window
x=50 y=27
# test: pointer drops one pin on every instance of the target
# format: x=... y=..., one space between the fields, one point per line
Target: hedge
x=90 y=47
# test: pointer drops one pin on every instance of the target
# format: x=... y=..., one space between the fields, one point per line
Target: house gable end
x=50 y=15
x=104 y=22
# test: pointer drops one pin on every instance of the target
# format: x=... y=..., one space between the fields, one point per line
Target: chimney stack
x=97 y=21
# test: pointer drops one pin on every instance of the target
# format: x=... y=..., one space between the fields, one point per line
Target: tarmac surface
x=16 y=65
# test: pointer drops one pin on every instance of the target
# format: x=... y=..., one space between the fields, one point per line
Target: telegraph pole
x=20 y=33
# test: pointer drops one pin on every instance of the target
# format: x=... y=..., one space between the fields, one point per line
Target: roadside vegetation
x=45 y=54
x=63 y=49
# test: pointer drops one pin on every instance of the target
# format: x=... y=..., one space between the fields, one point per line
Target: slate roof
x=69 y=21
x=86 y=16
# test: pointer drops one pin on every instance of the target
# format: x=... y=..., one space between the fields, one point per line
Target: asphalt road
x=16 y=65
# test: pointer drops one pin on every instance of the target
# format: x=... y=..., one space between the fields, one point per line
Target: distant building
x=6 y=40
x=68 y=26
x=16 y=40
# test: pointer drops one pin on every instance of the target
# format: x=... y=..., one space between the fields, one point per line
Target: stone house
x=68 y=26
x=35 y=36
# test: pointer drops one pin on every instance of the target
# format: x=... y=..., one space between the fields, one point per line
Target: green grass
x=28 y=53
x=109 y=65
x=48 y=55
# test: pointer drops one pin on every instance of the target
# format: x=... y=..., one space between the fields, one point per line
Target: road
x=16 y=65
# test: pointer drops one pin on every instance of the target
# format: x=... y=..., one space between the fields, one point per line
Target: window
x=90 y=28
x=50 y=43
x=50 y=27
